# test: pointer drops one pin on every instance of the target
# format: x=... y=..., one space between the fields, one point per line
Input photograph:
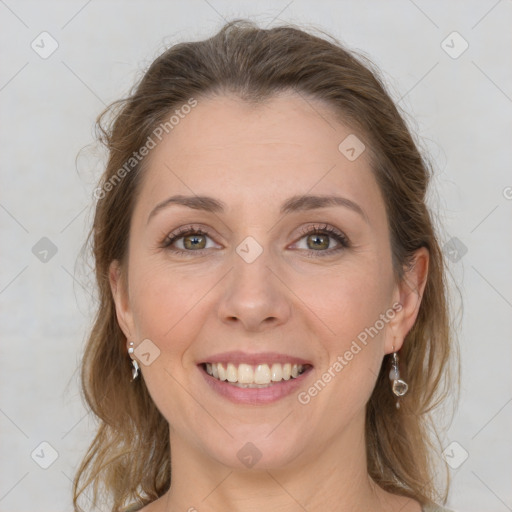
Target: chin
x=254 y=449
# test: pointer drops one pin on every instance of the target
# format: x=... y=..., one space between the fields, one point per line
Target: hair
x=129 y=458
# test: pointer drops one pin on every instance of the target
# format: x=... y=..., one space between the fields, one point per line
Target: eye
x=319 y=241
x=186 y=240
x=322 y=240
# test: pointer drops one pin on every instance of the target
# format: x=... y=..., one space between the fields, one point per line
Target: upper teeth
x=259 y=374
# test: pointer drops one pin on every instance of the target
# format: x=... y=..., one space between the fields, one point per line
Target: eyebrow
x=293 y=204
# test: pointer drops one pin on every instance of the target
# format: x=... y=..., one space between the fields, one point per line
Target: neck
x=335 y=478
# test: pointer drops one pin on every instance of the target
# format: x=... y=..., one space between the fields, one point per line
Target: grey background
x=460 y=108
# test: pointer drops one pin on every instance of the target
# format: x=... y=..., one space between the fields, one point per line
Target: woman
x=273 y=328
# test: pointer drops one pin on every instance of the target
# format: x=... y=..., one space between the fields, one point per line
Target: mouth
x=254 y=378
x=263 y=375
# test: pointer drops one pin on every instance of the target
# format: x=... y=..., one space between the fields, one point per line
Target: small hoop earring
x=135 y=369
x=398 y=386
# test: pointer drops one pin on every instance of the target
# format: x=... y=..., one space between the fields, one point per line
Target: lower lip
x=254 y=396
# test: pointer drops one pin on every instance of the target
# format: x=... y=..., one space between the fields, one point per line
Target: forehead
x=287 y=145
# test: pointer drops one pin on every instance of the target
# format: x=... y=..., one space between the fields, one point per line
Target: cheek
x=162 y=299
x=348 y=301
x=349 y=307
x=166 y=306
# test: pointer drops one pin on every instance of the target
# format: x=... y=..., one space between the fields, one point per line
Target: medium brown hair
x=129 y=459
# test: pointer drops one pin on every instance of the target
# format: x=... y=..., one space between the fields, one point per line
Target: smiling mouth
x=254 y=376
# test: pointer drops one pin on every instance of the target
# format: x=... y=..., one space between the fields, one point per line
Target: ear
x=408 y=294
x=120 y=294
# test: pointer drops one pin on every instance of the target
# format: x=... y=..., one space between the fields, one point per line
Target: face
x=287 y=298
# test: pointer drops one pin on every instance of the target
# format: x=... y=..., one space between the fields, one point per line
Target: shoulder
x=154 y=506
x=435 y=508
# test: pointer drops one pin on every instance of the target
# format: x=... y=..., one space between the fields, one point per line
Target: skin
x=253 y=158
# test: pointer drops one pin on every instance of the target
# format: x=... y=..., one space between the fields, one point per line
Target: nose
x=254 y=296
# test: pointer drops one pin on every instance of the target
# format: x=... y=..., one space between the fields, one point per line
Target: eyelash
x=341 y=238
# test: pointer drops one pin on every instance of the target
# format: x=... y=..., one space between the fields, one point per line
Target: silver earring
x=398 y=386
x=135 y=369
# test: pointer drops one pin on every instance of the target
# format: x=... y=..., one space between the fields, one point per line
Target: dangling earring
x=398 y=386
x=135 y=369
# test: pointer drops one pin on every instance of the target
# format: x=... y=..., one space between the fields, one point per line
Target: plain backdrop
x=447 y=63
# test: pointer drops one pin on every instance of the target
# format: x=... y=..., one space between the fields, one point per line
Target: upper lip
x=239 y=357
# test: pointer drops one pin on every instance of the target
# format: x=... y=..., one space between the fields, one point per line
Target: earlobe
x=121 y=301
x=410 y=293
